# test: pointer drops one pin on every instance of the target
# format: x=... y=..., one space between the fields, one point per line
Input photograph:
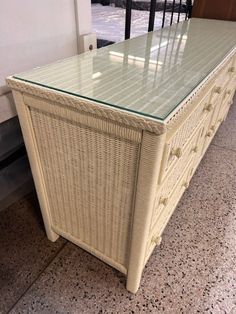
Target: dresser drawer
x=168 y=185
x=228 y=93
x=221 y=104
x=224 y=108
x=227 y=73
x=157 y=228
x=211 y=127
x=178 y=140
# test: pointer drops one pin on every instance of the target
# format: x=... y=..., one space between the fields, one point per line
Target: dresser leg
x=52 y=236
x=32 y=151
x=133 y=281
x=149 y=168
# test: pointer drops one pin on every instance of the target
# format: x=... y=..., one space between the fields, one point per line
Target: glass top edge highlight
x=90 y=99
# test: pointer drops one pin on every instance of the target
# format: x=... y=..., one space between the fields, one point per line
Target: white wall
x=33 y=33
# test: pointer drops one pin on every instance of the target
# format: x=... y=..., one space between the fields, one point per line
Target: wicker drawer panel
x=227 y=73
x=220 y=99
x=220 y=105
x=211 y=127
x=228 y=94
x=161 y=222
x=224 y=108
x=174 y=176
x=224 y=84
x=177 y=143
x=222 y=92
x=217 y=103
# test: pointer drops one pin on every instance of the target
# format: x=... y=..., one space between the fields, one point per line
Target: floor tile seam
x=37 y=277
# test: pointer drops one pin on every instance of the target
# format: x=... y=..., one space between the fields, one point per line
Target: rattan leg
x=149 y=167
x=29 y=138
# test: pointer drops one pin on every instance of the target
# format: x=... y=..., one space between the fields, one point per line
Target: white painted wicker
x=109 y=180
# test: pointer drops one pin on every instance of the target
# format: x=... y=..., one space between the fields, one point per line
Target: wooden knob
x=209 y=134
x=156 y=240
x=231 y=70
x=220 y=120
x=163 y=201
x=186 y=185
x=208 y=107
x=177 y=152
x=195 y=149
x=213 y=127
x=217 y=90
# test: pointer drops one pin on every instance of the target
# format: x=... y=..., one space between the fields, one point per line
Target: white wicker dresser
x=115 y=135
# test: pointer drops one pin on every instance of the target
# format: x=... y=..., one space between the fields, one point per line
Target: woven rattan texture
x=90 y=182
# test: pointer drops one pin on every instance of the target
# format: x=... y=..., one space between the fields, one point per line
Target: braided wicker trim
x=116 y=115
x=192 y=98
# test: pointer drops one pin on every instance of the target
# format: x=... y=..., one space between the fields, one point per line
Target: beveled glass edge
x=91 y=99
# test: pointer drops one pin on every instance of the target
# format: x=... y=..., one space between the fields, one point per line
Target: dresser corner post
x=149 y=167
x=31 y=147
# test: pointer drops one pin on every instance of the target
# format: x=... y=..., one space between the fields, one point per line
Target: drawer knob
x=231 y=70
x=163 y=201
x=217 y=90
x=209 y=134
x=177 y=152
x=156 y=240
x=220 y=120
x=186 y=185
x=213 y=128
x=208 y=107
x=228 y=92
x=195 y=149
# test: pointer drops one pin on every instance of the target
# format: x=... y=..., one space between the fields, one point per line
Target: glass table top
x=150 y=74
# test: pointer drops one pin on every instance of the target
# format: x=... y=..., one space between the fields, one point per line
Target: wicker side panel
x=90 y=179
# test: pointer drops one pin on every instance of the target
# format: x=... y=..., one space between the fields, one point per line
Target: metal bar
x=128 y=18
x=189 y=8
x=186 y=10
x=172 y=12
x=180 y=5
x=152 y=15
x=164 y=14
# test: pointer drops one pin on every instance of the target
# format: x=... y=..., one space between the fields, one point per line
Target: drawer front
x=216 y=104
x=177 y=143
x=227 y=73
x=221 y=100
x=224 y=108
x=185 y=146
x=224 y=84
x=158 y=227
x=228 y=94
x=221 y=105
x=168 y=185
x=210 y=129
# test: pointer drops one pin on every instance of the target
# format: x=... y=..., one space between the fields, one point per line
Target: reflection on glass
x=149 y=74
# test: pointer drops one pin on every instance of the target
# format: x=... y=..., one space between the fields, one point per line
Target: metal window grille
x=174 y=6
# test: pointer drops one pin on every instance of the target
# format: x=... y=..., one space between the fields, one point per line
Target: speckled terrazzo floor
x=193 y=271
